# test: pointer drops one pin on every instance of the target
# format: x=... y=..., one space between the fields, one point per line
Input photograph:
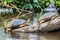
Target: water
x=2 y=34
x=36 y=17
x=29 y=36
x=6 y=10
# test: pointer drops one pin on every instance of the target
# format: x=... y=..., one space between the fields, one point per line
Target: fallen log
x=32 y=28
x=53 y=25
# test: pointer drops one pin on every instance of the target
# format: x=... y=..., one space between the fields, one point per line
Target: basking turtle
x=47 y=17
x=14 y=24
x=51 y=13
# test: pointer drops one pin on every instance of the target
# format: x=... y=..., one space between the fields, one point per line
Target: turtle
x=47 y=17
x=14 y=24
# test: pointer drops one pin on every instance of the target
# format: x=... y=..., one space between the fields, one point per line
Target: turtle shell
x=16 y=22
x=48 y=15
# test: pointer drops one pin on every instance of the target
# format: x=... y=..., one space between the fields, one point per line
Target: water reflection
x=33 y=36
x=29 y=36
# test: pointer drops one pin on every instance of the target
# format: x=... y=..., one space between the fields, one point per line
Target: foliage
x=25 y=4
x=57 y=2
x=7 y=1
x=29 y=4
x=1 y=18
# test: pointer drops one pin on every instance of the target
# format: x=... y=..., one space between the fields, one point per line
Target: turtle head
x=7 y=29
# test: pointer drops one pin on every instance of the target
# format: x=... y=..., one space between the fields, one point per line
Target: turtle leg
x=53 y=17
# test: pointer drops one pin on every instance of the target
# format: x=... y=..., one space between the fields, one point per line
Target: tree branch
x=19 y=10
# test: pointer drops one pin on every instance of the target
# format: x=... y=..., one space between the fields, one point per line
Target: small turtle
x=47 y=17
x=14 y=24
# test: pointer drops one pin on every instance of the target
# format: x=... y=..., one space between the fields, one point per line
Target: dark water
x=29 y=36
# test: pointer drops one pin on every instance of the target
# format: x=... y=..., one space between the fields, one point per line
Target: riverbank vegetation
x=25 y=9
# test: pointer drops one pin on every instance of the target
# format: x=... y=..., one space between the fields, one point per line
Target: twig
x=17 y=10
x=21 y=10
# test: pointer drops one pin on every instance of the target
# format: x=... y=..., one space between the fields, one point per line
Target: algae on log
x=53 y=25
